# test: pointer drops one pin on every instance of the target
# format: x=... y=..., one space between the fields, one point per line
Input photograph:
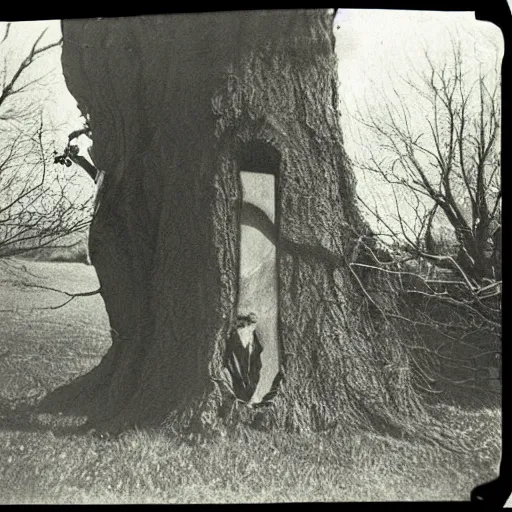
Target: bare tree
x=436 y=144
x=40 y=202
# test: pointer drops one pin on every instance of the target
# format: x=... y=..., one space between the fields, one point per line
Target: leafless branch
x=6 y=35
x=71 y=296
x=36 y=51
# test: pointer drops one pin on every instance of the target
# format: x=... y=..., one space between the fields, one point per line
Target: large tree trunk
x=174 y=104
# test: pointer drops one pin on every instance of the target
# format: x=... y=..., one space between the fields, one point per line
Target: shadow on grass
x=27 y=417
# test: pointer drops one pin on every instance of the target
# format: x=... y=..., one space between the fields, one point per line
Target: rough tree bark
x=173 y=101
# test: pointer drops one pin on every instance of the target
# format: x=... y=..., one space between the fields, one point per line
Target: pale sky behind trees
x=378 y=48
x=374 y=46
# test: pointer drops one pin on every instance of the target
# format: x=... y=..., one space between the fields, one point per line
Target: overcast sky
x=374 y=46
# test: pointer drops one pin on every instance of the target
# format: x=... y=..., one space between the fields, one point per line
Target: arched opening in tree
x=252 y=352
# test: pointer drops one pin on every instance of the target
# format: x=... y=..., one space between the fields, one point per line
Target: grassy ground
x=41 y=349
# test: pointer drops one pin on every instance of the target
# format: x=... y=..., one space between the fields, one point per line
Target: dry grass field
x=41 y=349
